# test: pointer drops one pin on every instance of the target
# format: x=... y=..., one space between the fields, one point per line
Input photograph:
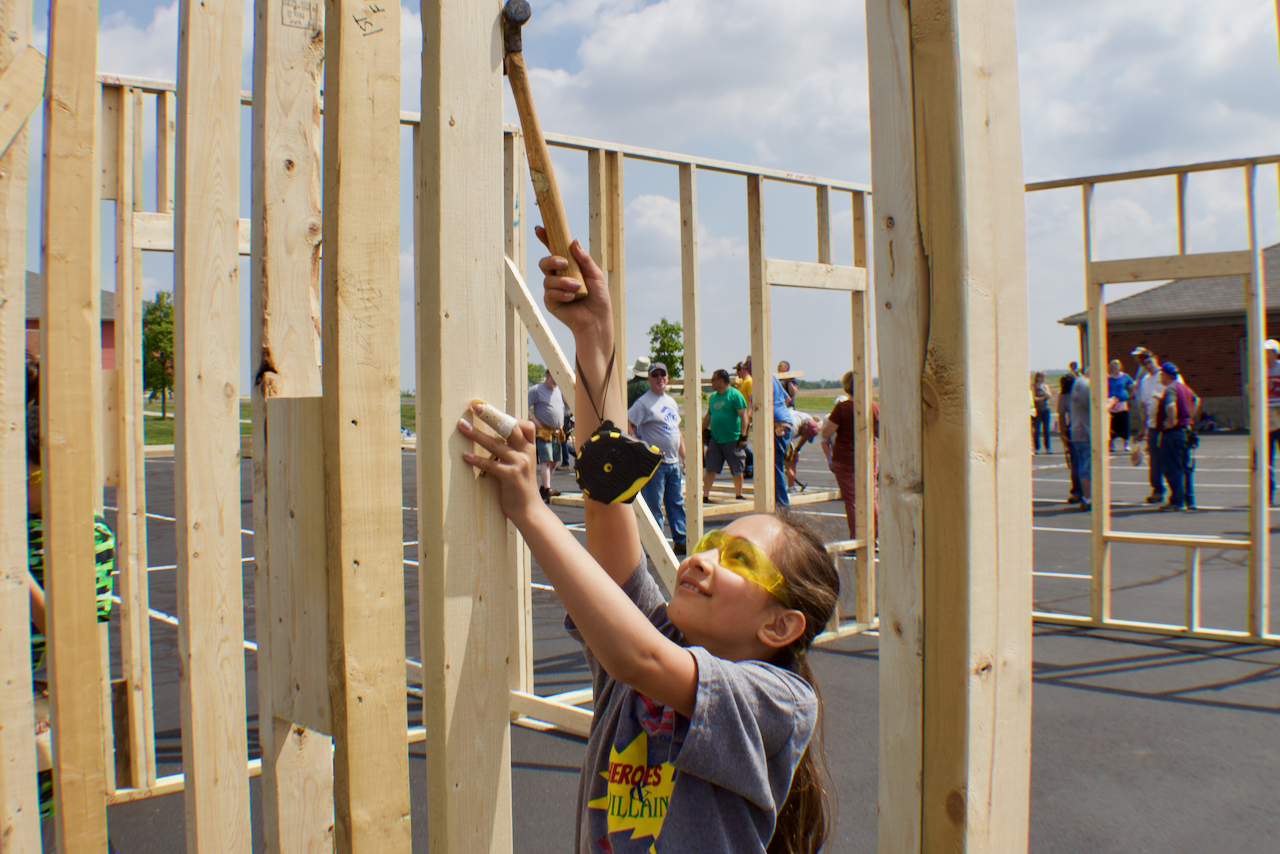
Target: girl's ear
x=783 y=629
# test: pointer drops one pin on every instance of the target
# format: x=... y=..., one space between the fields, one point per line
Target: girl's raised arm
x=612 y=536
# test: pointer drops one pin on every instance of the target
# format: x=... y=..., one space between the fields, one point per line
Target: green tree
x=665 y=346
x=537 y=373
x=157 y=349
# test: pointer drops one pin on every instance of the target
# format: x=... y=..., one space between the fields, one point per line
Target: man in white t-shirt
x=546 y=406
x=1148 y=392
x=655 y=420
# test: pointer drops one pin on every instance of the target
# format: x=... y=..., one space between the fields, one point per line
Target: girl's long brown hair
x=805 y=817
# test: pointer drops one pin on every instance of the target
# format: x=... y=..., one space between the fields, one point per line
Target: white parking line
x=150 y=515
x=161 y=616
x=1060 y=575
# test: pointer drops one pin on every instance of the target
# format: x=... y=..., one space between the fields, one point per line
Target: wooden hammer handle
x=541 y=172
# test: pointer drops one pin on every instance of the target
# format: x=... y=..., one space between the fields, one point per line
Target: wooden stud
x=1099 y=428
x=761 y=348
x=822 y=195
x=21 y=91
x=131 y=520
x=462 y=533
x=804 y=274
x=531 y=316
x=166 y=150
x=70 y=422
x=285 y=352
x=864 y=582
x=1181 y=178
x=517 y=401
x=109 y=138
x=692 y=323
x=19 y=798
x=955 y=745
x=207 y=434
x=361 y=378
x=1258 y=621
x=153 y=232
x=859 y=229
x=1191 y=593
x=1199 y=265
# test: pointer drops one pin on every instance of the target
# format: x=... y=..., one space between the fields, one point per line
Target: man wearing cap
x=638 y=383
x=1176 y=412
x=546 y=405
x=655 y=420
x=1149 y=389
x=1272 y=351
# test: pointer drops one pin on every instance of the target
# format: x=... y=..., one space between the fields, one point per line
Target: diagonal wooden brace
x=21 y=91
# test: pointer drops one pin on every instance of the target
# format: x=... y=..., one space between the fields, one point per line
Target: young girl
x=705 y=707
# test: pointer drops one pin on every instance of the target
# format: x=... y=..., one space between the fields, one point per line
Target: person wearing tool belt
x=546 y=407
x=655 y=420
x=1178 y=408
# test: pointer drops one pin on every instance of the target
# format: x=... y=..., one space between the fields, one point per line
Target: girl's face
x=719 y=609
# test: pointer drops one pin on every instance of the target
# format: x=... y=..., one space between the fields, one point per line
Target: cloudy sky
x=1104 y=87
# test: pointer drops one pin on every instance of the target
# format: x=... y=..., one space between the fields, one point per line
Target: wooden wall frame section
x=761 y=349
x=1098 y=274
x=69 y=405
x=285 y=217
x=207 y=434
x=955 y=729
x=361 y=378
x=19 y=798
x=462 y=533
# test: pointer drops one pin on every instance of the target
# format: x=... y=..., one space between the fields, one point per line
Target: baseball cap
x=1169 y=368
x=657 y=366
x=1272 y=345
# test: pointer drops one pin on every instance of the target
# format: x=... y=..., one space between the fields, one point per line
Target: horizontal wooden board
x=1209 y=166
x=806 y=274
x=562 y=715
x=153 y=232
x=1199 y=266
x=1175 y=540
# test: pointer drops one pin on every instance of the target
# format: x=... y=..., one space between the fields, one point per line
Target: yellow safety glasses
x=746 y=559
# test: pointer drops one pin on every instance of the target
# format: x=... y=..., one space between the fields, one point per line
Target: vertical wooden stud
x=462 y=533
x=1191 y=593
x=950 y=267
x=864 y=464
x=207 y=435
x=71 y=422
x=761 y=349
x=517 y=400
x=1259 y=594
x=822 y=198
x=131 y=520
x=19 y=800
x=692 y=323
x=616 y=228
x=1096 y=358
x=1182 y=212
x=166 y=150
x=284 y=331
x=361 y=378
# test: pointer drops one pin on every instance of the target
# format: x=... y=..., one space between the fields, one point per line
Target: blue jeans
x=664 y=489
x=1173 y=464
x=1040 y=426
x=779 y=474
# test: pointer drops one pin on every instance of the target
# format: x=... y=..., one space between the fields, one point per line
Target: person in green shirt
x=638 y=384
x=727 y=418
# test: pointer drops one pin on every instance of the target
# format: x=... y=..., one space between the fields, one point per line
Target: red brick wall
x=1207 y=356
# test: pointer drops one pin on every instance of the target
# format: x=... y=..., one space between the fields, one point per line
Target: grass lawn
x=815 y=404
x=159 y=431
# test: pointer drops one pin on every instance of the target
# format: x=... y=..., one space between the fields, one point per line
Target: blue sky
x=1104 y=87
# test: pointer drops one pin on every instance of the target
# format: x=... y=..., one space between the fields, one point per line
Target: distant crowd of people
x=654 y=417
x=1159 y=400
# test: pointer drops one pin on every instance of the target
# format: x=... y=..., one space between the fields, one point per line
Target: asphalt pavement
x=1140 y=743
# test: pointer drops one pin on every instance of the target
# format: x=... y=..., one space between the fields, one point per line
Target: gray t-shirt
x=1080 y=424
x=710 y=783
x=658 y=422
x=548 y=405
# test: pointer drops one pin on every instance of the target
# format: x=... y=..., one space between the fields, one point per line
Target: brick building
x=1199 y=325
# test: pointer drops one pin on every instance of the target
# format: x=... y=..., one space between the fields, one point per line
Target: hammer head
x=514 y=15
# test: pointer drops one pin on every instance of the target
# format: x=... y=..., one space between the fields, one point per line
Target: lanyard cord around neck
x=608 y=374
